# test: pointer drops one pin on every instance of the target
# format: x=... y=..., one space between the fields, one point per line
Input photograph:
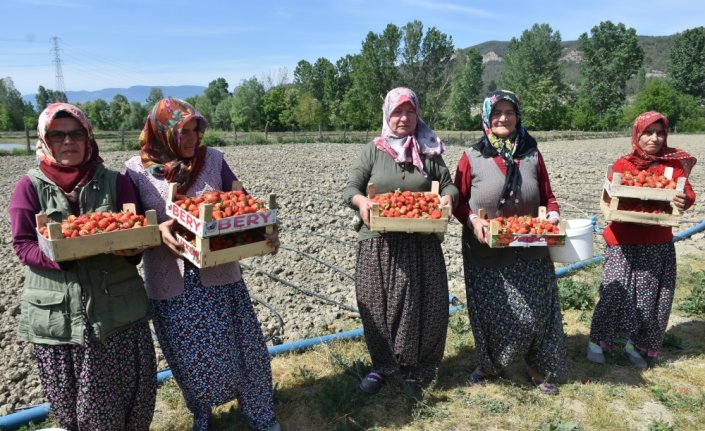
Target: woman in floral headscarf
x=512 y=294
x=204 y=320
x=400 y=278
x=640 y=261
x=87 y=318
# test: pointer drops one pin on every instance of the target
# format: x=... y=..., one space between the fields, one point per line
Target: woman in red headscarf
x=640 y=261
x=400 y=278
x=204 y=320
x=86 y=318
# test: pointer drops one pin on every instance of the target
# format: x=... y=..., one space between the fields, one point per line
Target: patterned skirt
x=636 y=295
x=515 y=313
x=215 y=348
x=402 y=294
x=101 y=386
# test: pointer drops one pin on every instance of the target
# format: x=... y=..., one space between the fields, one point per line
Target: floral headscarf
x=642 y=160
x=512 y=148
x=408 y=149
x=66 y=177
x=159 y=142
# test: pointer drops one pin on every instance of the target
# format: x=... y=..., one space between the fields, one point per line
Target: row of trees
x=348 y=94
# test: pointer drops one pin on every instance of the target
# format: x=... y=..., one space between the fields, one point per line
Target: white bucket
x=578 y=242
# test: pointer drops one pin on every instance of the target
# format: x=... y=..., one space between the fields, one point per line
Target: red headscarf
x=66 y=177
x=642 y=160
x=160 y=150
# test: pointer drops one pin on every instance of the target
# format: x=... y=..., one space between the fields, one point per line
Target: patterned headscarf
x=642 y=160
x=159 y=142
x=66 y=177
x=512 y=148
x=408 y=149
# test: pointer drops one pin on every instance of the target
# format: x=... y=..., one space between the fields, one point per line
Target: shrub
x=213 y=140
x=576 y=295
x=694 y=303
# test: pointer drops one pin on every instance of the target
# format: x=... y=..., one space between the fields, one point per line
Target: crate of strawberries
x=205 y=252
x=525 y=231
x=90 y=234
x=407 y=211
x=218 y=227
x=218 y=213
x=642 y=197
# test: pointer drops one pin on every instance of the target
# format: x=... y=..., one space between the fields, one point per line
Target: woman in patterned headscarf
x=400 y=278
x=86 y=318
x=640 y=261
x=204 y=320
x=512 y=294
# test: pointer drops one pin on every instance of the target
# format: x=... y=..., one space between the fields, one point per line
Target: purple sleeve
x=126 y=193
x=24 y=205
x=227 y=177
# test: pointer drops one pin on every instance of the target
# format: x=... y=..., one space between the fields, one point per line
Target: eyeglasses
x=58 y=137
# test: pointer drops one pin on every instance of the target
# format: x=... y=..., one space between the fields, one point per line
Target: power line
x=57 y=64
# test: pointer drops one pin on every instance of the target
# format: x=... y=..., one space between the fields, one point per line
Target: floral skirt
x=101 y=386
x=402 y=294
x=215 y=348
x=636 y=295
x=515 y=313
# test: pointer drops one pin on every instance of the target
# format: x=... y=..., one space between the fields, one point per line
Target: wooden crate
x=202 y=257
x=205 y=226
x=61 y=249
x=503 y=240
x=615 y=189
x=612 y=212
x=398 y=224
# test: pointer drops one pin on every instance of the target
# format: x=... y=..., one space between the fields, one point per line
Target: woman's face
x=653 y=138
x=67 y=140
x=503 y=119
x=188 y=138
x=403 y=120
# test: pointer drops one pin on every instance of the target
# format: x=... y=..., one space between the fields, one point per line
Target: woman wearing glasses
x=86 y=318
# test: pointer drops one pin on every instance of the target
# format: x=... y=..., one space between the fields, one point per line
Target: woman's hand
x=273 y=239
x=364 y=205
x=480 y=227
x=168 y=238
x=679 y=201
x=447 y=200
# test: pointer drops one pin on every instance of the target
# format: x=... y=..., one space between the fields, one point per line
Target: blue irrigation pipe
x=41 y=412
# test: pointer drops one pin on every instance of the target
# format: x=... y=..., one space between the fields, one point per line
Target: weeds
x=659 y=425
x=576 y=295
x=694 y=303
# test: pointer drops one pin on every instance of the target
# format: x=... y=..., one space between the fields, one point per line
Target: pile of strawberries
x=409 y=204
x=526 y=225
x=652 y=207
x=225 y=204
x=227 y=241
x=647 y=179
x=97 y=222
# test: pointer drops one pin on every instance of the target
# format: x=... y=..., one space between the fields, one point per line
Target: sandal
x=372 y=383
x=545 y=387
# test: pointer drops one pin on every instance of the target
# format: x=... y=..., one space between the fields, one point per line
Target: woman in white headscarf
x=400 y=278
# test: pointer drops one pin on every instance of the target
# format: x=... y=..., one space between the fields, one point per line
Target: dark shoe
x=635 y=357
x=372 y=383
x=480 y=380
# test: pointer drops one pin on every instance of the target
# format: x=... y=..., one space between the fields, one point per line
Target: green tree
x=137 y=117
x=45 y=97
x=273 y=105
x=217 y=91
x=221 y=117
x=119 y=112
x=466 y=88
x=682 y=110
x=205 y=107
x=309 y=111
x=13 y=109
x=98 y=113
x=303 y=76
x=155 y=95
x=533 y=71
x=611 y=55
x=246 y=105
x=342 y=82
x=686 y=66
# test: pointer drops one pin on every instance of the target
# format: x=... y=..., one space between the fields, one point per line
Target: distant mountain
x=656 y=53
x=137 y=93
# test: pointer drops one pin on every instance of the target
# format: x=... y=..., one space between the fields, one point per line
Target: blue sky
x=111 y=43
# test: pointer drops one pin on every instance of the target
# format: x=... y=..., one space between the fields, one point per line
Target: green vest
x=108 y=285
